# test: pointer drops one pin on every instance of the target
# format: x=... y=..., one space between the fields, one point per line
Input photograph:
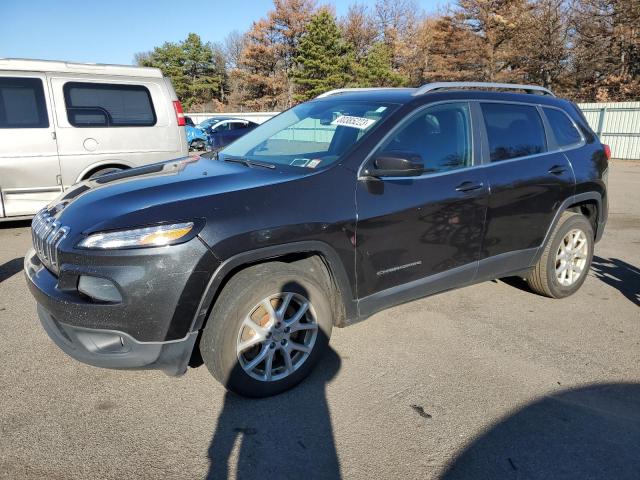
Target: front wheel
x=565 y=262
x=267 y=330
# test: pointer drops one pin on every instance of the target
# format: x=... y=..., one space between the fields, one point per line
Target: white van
x=64 y=122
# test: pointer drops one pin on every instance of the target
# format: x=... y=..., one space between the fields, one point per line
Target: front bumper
x=149 y=328
x=114 y=349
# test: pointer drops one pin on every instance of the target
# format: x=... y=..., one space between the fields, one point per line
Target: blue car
x=196 y=137
x=221 y=131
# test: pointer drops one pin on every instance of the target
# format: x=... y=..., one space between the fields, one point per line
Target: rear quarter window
x=563 y=128
x=108 y=105
x=22 y=103
x=513 y=130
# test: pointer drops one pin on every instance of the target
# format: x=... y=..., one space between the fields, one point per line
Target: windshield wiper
x=249 y=163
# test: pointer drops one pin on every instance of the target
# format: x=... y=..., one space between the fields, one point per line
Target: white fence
x=617 y=124
x=257 y=117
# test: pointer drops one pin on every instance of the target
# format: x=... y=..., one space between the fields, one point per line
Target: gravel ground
x=490 y=381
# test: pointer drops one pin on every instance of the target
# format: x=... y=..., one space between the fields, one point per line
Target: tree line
x=586 y=50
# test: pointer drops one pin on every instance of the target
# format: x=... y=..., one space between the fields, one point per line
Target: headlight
x=139 y=237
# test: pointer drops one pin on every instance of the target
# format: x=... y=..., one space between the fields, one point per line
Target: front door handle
x=557 y=170
x=469 y=186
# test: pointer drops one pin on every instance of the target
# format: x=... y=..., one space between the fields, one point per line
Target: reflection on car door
x=527 y=181
x=29 y=166
x=414 y=229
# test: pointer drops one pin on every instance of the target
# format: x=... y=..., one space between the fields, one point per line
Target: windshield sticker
x=299 y=162
x=314 y=163
x=380 y=109
x=360 y=123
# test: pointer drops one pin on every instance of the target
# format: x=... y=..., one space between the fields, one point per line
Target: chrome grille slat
x=47 y=234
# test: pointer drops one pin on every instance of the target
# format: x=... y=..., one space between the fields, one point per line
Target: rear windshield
x=310 y=135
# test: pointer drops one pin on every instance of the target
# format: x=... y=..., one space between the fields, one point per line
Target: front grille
x=47 y=234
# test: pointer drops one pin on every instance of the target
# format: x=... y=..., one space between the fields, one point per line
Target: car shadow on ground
x=285 y=436
x=621 y=275
x=591 y=432
x=10 y=268
x=617 y=273
x=14 y=224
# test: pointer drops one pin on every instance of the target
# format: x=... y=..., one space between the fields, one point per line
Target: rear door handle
x=469 y=186
x=557 y=170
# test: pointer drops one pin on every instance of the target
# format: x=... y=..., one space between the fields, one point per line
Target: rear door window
x=108 y=105
x=564 y=130
x=513 y=130
x=22 y=103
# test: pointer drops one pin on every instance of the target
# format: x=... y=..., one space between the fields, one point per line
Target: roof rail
x=343 y=90
x=430 y=87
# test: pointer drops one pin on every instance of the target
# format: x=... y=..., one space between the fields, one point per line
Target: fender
x=330 y=257
x=581 y=197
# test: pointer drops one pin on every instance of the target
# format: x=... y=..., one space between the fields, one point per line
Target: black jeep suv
x=320 y=217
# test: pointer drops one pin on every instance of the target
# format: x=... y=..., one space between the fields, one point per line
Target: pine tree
x=323 y=58
x=196 y=69
x=376 y=69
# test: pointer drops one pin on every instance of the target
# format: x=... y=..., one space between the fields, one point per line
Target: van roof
x=24 y=64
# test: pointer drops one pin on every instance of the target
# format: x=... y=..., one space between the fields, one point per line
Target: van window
x=563 y=128
x=22 y=103
x=441 y=135
x=108 y=105
x=513 y=130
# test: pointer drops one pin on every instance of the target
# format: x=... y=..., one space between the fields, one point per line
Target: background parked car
x=226 y=130
x=62 y=122
x=196 y=138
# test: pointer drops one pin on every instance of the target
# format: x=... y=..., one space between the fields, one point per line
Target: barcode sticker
x=360 y=123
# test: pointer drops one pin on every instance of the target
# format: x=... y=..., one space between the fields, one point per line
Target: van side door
x=29 y=167
x=110 y=121
x=529 y=178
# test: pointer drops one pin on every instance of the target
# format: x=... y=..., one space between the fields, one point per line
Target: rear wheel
x=565 y=262
x=267 y=330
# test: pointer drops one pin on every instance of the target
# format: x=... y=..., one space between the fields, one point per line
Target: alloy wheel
x=571 y=257
x=277 y=336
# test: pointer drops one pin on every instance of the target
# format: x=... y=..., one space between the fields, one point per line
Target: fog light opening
x=99 y=289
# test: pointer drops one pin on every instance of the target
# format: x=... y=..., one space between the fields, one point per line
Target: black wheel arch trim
x=333 y=263
x=580 y=197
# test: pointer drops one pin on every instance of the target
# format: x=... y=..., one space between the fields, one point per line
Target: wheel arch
x=588 y=204
x=345 y=306
x=94 y=167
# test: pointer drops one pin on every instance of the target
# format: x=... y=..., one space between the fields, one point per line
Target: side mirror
x=396 y=164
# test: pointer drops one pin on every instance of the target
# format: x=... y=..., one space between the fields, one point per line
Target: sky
x=112 y=31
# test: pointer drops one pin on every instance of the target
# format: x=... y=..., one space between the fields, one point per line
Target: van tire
x=104 y=171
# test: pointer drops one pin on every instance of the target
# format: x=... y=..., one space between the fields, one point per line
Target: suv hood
x=177 y=190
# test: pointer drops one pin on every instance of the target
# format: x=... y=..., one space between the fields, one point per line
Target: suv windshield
x=310 y=135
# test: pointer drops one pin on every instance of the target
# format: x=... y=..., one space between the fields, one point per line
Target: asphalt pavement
x=490 y=381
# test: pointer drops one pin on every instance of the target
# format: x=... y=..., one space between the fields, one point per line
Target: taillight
x=179 y=113
x=607 y=151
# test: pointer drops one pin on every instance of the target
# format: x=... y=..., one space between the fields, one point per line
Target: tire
x=242 y=300
x=104 y=171
x=544 y=278
x=196 y=145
